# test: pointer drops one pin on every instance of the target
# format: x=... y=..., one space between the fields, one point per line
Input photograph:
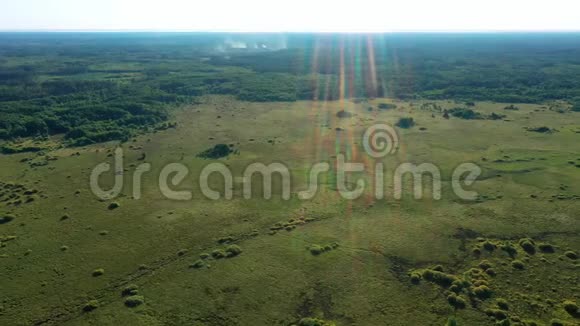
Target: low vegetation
x=218 y=151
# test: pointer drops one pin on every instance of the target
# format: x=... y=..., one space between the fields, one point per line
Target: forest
x=91 y=88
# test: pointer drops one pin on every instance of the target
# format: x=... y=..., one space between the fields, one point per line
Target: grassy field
x=382 y=253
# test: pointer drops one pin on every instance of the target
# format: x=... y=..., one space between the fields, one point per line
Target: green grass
x=273 y=278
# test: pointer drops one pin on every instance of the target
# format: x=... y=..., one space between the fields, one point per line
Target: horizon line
x=411 y=31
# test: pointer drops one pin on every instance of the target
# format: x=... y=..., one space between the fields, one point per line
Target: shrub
x=98 y=272
x=314 y=322
x=6 y=218
x=428 y=275
x=233 y=250
x=509 y=249
x=438 y=268
x=405 y=123
x=556 y=322
x=546 y=248
x=131 y=289
x=134 y=301
x=488 y=246
x=495 y=116
x=496 y=313
x=114 y=205
x=482 y=291
x=485 y=265
x=464 y=113
x=571 y=254
x=204 y=255
x=456 y=301
x=571 y=307
x=543 y=129
x=502 y=304
x=316 y=250
x=528 y=245
x=91 y=305
x=511 y=108
x=224 y=240
x=343 y=114
x=415 y=278
x=197 y=264
x=505 y=322
x=218 y=253
x=443 y=279
x=518 y=264
x=218 y=151
x=387 y=106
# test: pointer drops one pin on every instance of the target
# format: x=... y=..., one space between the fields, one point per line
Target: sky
x=291 y=15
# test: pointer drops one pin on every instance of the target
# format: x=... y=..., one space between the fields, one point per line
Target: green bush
x=134 y=301
x=6 y=218
x=509 y=249
x=405 y=123
x=314 y=322
x=556 y=322
x=456 y=301
x=415 y=278
x=218 y=151
x=197 y=264
x=465 y=113
x=204 y=255
x=571 y=254
x=131 y=289
x=571 y=307
x=546 y=248
x=233 y=250
x=482 y=291
x=98 y=272
x=343 y=114
x=518 y=264
x=511 y=108
x=387 y=106
x=113 y=205
x=91 y=305
x=528 y=245
x=502 y=304
x=488 y=246
x=491 y=272
x=218 y=253
x=485 y=265
x=316 y=250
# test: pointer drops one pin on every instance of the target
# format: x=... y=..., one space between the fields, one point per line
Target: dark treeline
x=100 y=87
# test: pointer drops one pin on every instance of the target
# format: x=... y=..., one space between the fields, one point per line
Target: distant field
x=389 y=262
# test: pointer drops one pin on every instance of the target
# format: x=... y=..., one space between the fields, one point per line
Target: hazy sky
x=290 y=15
